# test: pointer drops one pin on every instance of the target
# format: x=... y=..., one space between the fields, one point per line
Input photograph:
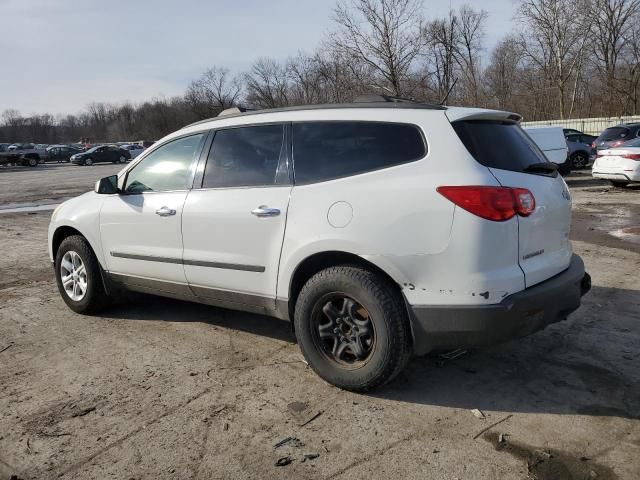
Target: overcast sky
x=59 y=55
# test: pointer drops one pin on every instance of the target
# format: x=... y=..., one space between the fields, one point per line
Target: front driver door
x=141 y=228
x=233 y=226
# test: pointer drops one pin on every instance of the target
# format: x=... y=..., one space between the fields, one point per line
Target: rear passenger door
x=234 y=218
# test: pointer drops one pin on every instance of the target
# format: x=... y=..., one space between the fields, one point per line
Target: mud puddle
x=608 y=225
x=550 y=464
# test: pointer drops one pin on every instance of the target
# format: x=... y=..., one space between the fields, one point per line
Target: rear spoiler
x=455 y=114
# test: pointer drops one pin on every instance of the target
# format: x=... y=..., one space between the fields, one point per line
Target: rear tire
x=619 y=184
x=352 y=327
x=90 y=295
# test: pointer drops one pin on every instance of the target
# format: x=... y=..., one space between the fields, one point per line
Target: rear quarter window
x=499 y=144
x=328 y=150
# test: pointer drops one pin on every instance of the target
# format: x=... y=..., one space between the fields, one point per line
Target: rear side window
x=245 y=157
x=614 y=133
x=498 y=144
x=327 y=150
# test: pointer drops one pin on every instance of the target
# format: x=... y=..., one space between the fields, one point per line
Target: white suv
x=380 y=228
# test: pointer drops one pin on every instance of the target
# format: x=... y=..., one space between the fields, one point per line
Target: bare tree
x=213 y=92
x=503 y=72
x=556 y=40
x=267 y=84
x=442 y=39
x=469 y=48
x=383 y=34
x=615 y=23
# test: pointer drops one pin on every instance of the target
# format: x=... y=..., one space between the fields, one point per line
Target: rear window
x=613 y=133
x=499 y=144
x=327 y=150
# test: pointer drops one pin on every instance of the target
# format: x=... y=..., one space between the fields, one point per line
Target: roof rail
x=375 y=98
x=233 y=111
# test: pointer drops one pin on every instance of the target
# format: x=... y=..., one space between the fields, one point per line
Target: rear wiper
x=548 y=167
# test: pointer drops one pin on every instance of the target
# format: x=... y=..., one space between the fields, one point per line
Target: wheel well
x=59 y=235
x=319 y=261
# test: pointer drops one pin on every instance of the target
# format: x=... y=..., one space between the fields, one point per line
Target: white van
x=552 y=142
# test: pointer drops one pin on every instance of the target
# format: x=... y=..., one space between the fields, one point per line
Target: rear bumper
x=518 y=315
x=621 y=177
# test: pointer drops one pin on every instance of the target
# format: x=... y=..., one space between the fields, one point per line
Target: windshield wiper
x=547 y=167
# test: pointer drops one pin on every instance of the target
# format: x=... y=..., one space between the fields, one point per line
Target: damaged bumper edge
x=442 y=327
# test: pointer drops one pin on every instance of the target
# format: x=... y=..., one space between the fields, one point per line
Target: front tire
x=88 y=162
x=78 y=276
x=352 y=327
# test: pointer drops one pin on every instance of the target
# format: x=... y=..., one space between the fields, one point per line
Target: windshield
x=499 y=144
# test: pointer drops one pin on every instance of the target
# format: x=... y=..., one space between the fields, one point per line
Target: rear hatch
x=497 y=141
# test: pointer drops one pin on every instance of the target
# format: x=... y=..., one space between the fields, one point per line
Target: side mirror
x=107 y=185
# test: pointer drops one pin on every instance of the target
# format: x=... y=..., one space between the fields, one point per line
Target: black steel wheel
x=352 y=327
x=343 y=330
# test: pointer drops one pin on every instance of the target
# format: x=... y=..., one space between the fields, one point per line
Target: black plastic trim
x=196 y=263
x=518 y=315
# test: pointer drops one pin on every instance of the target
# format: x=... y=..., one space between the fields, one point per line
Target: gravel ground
x=157 y=388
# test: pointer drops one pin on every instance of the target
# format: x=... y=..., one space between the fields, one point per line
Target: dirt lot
x=165 y=389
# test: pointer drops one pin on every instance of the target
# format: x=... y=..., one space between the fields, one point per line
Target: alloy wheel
x=73 y=274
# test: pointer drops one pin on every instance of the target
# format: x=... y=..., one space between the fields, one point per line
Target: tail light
x=492 y=203
x=593 y=145
x=632 y=156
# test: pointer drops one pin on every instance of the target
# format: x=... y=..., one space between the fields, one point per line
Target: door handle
x=264 y=211
x=165 y=211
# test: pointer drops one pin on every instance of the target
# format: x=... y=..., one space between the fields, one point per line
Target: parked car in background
x=553 y=144
x=133 y=149
x=579 y=145
x=616 y=136
x=101 y=153
x=61 y=153
x=620 y=165
x=3 y=147
x=406 y=228
x=23 y=154
x=570 y=131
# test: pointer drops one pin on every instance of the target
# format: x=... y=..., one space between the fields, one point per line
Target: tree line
x=564 y=59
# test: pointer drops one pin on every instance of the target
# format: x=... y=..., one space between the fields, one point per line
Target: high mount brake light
x=492 y=203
